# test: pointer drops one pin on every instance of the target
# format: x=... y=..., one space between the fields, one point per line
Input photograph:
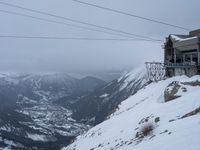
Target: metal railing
x=184 y=64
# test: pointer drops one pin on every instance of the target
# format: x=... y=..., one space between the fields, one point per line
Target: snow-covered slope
x=170 y=108
x=138 y=76
x=98 y=105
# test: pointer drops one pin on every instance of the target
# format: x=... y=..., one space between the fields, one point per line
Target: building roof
x=185 y=42
x=195 y=32
x=181 y=38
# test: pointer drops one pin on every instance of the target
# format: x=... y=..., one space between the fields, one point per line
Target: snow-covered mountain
x=98 y=105
x=29 y=115
x=53 y=108
x=163 y=115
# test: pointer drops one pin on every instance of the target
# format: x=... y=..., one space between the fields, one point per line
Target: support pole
x=183 y=58
x=191 y=58
x=174 y=55
x=198 y=52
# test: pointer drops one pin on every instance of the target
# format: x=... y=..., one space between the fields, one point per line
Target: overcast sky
x=69 y=55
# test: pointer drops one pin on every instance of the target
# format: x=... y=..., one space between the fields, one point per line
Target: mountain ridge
x=106 y=99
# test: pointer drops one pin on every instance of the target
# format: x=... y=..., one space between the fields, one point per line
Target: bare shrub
x=145 y=130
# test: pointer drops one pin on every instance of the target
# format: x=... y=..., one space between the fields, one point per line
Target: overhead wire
x=132 y=15
x=122 y=33
x=61 y=23
x=69 y=38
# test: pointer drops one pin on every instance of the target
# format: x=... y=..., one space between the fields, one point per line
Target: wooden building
x=182 y=54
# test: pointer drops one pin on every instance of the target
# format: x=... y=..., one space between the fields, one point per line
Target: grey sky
x=67 y=55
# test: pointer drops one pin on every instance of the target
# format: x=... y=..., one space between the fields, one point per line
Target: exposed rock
x=171 y=91
x=194 y=112
x=157 y=119
x=193 y=83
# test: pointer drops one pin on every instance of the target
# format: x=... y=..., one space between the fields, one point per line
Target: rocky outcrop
x=171 y=91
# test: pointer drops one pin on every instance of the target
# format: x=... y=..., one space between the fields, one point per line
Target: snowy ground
x=173 y=128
